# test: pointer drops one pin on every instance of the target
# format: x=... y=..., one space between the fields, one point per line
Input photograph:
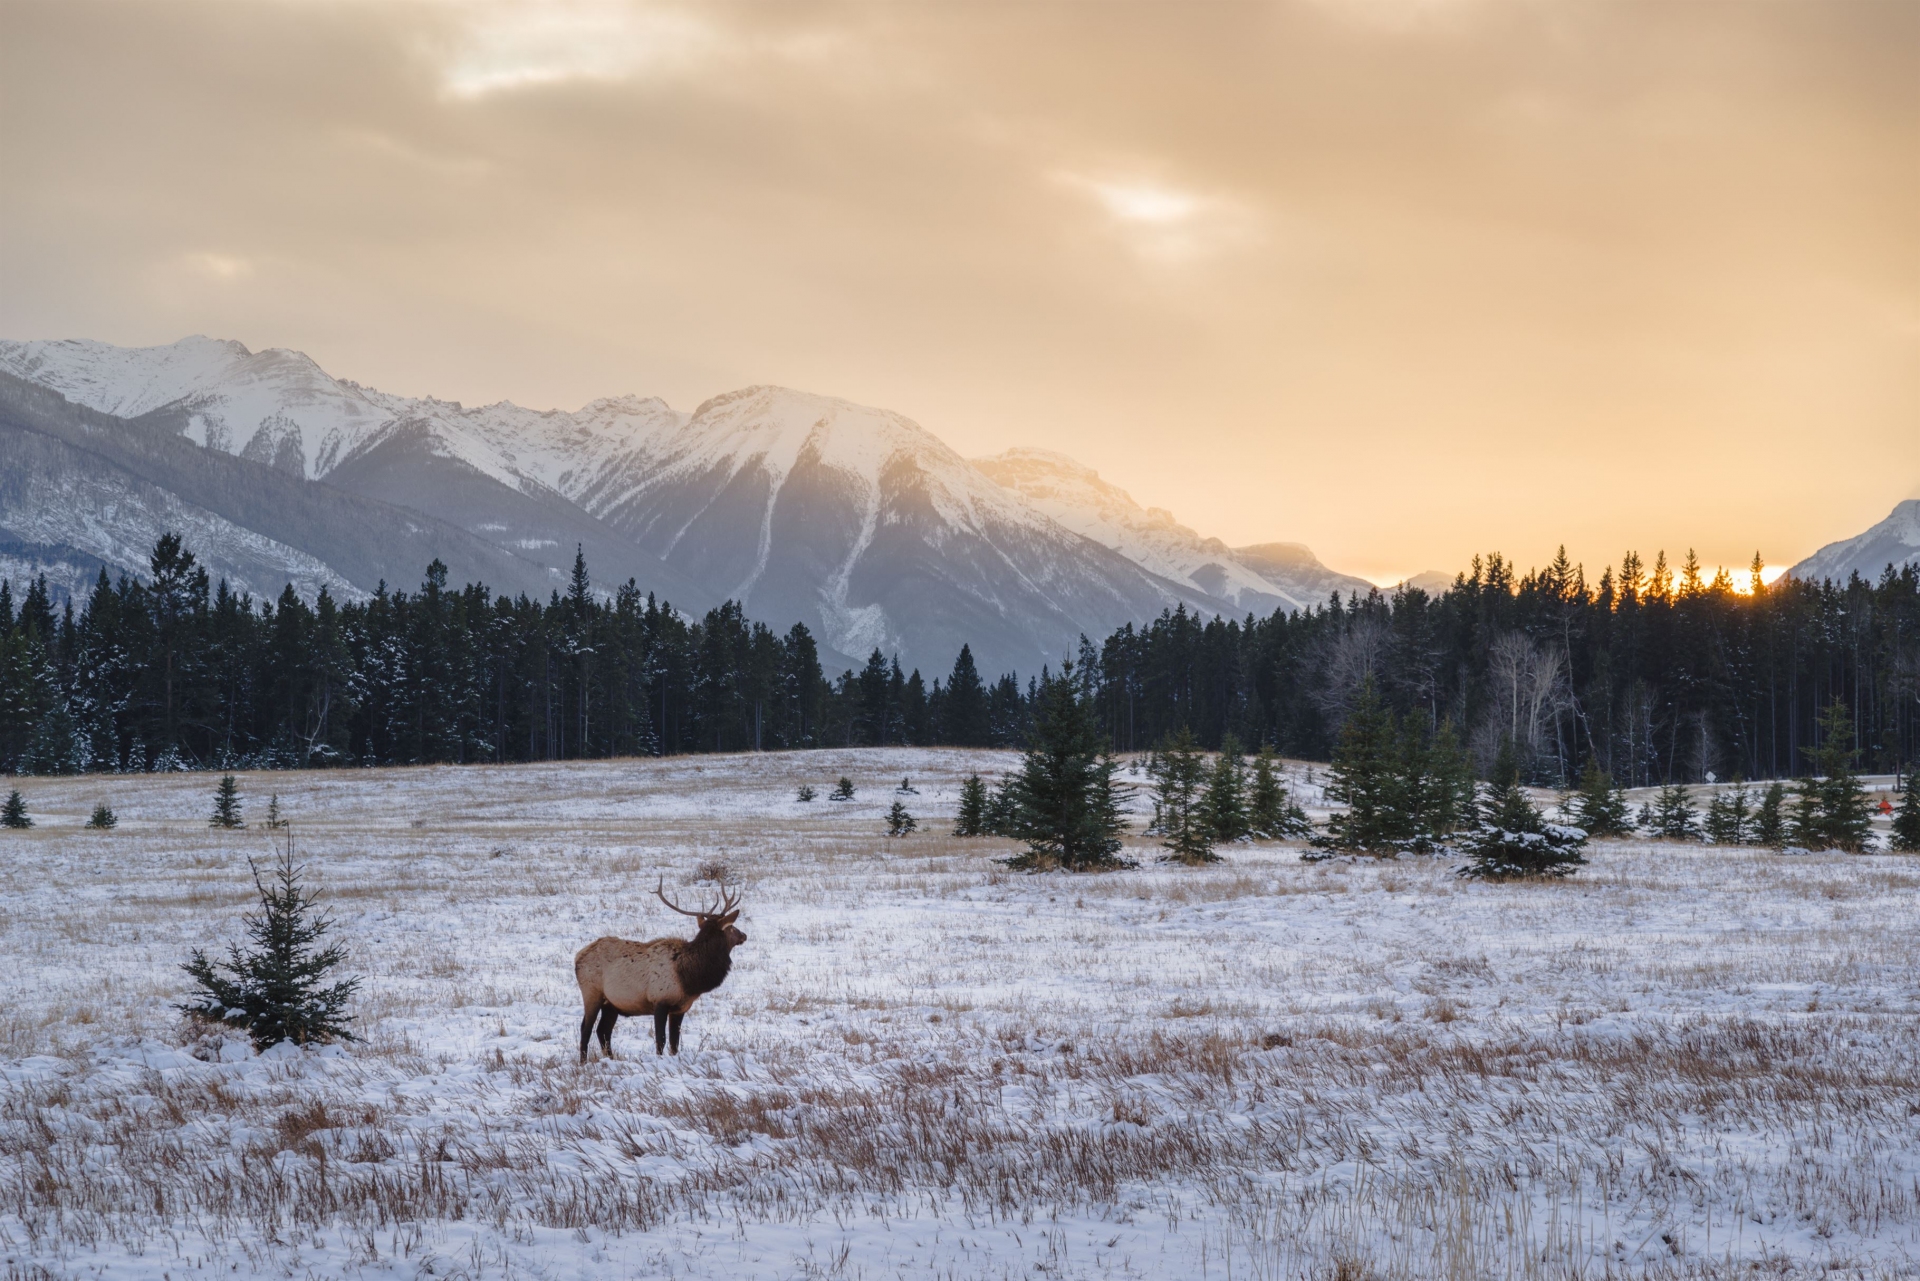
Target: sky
x=1404 y=280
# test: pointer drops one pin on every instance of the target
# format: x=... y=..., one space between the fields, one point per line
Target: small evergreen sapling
x=226 y=804
x=1367 y=778
x=1846 y=816
x=1003 y=811
x=907 y=788
x=842 y=791
x=281 y=988
x=1513 y=839
x=1906 y=820
x=1674 y=818
x=1179 y=801
x=1600 y=808
x=972 y=817
x=103 y=817
x=1730 y=817
x=899 y=822
x=274 y=820
x=805 y=794
x=1770 y=817
x=14 y=814
x=1224 y=808
x=1271 y=811
x=1066 y=807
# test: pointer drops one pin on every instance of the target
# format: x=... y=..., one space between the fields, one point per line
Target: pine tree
x=971 y=820
x=1729 y=817
x=1224 y=807
x=1674 y=817
x=274 y=821
x=1600 y=807
x=1067 y=811
x=103 y=817
x=278 y=989
x=226 y=804
x=1445 y=784
x=899 y=822
x=1179 y=800
x=1366 y=777
x=1906 y=821
x=1807 y=828
x=842 y=791
x=805 y=793
x=1512 y=838
x=1003 y=811
x=15 y=812
x=1272 y=813
x=1769 y=817
x=1846 y=816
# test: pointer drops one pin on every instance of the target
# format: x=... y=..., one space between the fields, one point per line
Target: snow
x=1894 y=541
x=1680 y=1061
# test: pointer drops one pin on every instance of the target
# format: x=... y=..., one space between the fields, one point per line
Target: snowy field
x=1682 y=1062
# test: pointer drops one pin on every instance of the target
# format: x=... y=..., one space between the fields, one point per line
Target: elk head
x=716 y=920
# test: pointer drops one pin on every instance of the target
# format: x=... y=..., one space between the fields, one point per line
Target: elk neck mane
x=703 y=963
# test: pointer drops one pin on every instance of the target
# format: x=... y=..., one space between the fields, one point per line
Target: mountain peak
x=1894 y=541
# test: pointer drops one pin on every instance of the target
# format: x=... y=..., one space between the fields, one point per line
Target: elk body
x=661 y=977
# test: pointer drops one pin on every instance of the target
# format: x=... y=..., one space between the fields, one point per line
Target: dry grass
x=1664 y=1067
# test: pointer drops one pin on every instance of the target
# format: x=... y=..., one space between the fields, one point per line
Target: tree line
x=1646 y=675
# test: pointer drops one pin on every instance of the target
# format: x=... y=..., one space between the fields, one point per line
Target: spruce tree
x=1367 y=779
x=14 y=814
x=1066 y=809
x=907 y=788
x=1224 y=807
x=226 y=804
x=899 y=822
x=1600 y=807
x=274 y=821
x=1512 y=838
x=1003 y=811
x=842 y=791
x=1730 y=817
x=103 y=817
x=1272 y=813
x=805 y=793
x=1846 y=816
x=1807 y=828
x=1179 y=800
x=1446 y=785
x=1906 y=820
x=281 y=988
x=971 y=820
x=1770 y=818
x=1674 y=818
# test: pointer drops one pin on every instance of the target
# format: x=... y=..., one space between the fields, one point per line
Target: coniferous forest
x=1652 y=676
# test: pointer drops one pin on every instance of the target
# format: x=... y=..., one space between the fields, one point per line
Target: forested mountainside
x=1655 y=676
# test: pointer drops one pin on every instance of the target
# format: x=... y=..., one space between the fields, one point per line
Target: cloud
x=1165 y=223
x=498 y=46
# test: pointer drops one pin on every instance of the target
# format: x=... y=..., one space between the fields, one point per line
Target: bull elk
x=661 y=977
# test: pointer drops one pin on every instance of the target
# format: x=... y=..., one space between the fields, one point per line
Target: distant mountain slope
x=1257 y=579
x=868 y=528
x=855 y=521
x=98 y=490
x=1894 y=541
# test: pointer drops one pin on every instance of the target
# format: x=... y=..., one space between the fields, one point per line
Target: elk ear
x=730 y=917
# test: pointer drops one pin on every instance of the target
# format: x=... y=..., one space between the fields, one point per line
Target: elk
x=662 y=977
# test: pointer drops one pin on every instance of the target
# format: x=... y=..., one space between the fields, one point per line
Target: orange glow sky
x=1401 y=279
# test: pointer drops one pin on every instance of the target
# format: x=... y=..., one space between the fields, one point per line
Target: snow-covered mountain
x=1259 y=579
x=855 y=521
x=1894 y=541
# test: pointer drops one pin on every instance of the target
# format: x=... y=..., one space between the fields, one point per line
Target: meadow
x=1682 y=1062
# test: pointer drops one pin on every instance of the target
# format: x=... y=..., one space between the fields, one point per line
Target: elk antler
x=728 y=902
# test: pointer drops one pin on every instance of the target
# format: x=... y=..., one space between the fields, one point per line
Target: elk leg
x=586 y=1033
x=660 y=1030
x=673 y=1032
x=608 y=1017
